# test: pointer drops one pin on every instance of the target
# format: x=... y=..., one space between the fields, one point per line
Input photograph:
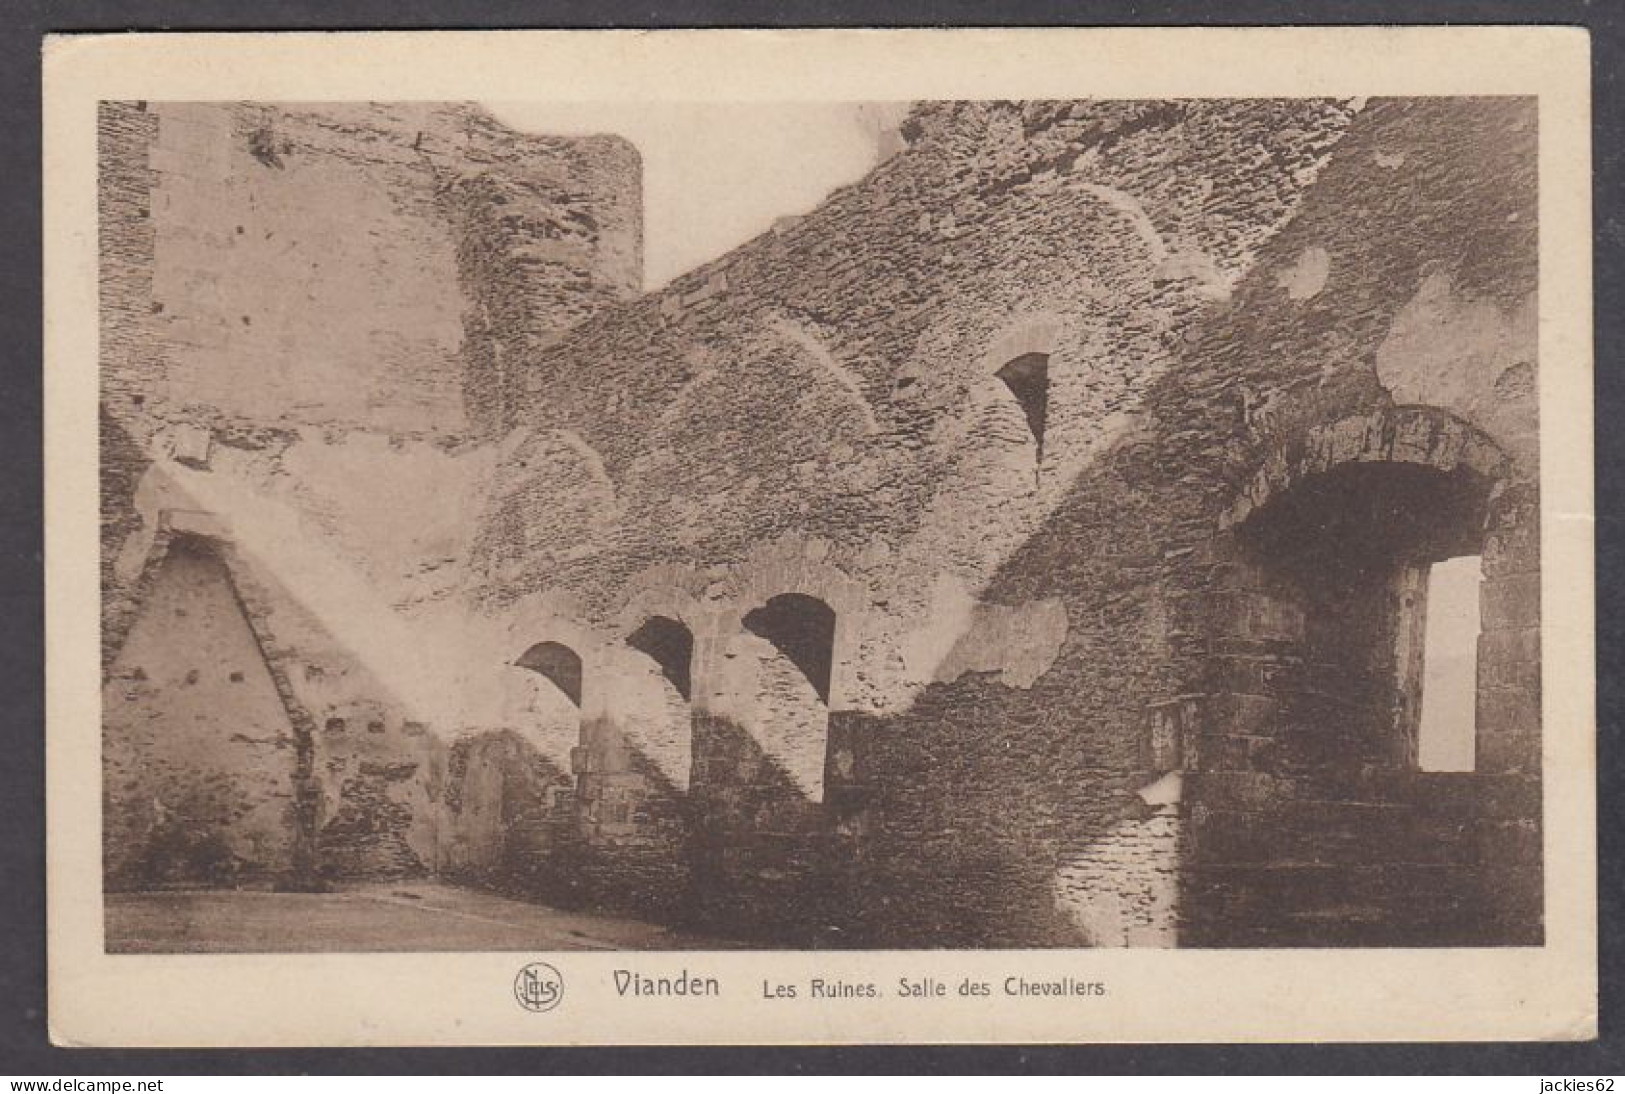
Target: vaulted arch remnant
x=559 y=664
x=802 y=628
x=670 y=645
x=761 y=746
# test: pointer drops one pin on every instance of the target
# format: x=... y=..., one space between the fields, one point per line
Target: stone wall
x=316 y=302
x=236 y=233
x=1379 y=365
x=829 y=412
x=200 y=753
x=306 y=314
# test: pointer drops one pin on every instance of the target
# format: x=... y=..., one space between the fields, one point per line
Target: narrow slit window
x=1446 y=731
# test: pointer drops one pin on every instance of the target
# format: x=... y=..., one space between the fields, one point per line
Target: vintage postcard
x=819 y=537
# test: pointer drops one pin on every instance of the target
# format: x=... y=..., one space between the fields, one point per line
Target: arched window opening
x=1445 y=732
x=802 y=628
x=1027 y=377
x=1339 y=602
x=1360 y=518
x=671 y=645
x=559 y=664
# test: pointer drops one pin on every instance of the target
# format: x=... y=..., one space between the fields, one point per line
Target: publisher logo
x=538 y=987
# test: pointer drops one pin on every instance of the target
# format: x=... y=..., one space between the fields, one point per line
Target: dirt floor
x=406 y=916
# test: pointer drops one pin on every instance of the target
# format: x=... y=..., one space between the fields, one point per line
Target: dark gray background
x=23 y=1047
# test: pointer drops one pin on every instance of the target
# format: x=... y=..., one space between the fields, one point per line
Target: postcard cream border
x=444 y=999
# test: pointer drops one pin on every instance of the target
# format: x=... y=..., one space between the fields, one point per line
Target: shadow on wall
x=1001 y=812
x=219 y=656
x=123 y=463
x=515 y=822
x=506 y=807
x=987 y=815
x=758 y=856
x=632 y=824
x=187 y=799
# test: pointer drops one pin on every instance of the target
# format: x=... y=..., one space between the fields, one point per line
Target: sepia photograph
x=1038 y=540
x=819 y=524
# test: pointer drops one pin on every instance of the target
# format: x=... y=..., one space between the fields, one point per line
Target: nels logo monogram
x=538 y=987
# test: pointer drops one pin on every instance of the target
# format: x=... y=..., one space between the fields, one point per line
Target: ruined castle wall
x=874 y=321
x=1033 y=536
x=191 y=796
x=306 y=310
x=1032 y=634
x=1381 y=356
x=820 y=413
x=315 y=303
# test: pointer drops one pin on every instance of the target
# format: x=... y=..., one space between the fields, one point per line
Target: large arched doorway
x=1318 y=814
x=1341 y=565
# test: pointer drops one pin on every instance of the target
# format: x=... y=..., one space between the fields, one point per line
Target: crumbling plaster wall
x=305 y=314
x=191 y=796
x=239 y=230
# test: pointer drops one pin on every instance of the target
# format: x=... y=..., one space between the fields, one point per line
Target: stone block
x=1509 y=711
x=192 y=446
x=1507 y=751
x=194 y=522
x=1237 y=714
x=1510 y=601
x=1509 y=646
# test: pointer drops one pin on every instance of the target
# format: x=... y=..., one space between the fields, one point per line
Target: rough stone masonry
x=1028 y=546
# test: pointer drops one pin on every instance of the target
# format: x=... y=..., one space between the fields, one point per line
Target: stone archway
x=1310 y=822
x=1318 y=620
